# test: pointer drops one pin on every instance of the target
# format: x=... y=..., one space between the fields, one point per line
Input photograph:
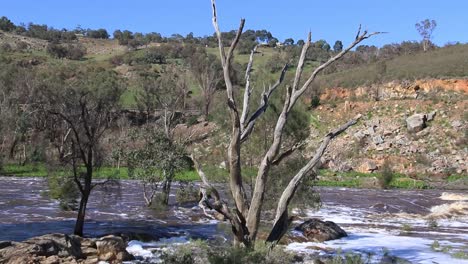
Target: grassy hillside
x=441 y=63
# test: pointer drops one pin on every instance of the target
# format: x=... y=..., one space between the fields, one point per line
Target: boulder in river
x=317 y=230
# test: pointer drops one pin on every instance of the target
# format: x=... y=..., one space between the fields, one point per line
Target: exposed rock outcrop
x=416 y=123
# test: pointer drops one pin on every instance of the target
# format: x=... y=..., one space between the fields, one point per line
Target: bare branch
x=247 y=130
x=248 y=89
x=300 y=64
x=287 y=152
x=359 y=37
x=290 y=190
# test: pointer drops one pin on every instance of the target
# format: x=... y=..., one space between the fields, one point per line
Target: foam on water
x=136 y=249
x=454 y=197
x=453 y=210
x=413 y=249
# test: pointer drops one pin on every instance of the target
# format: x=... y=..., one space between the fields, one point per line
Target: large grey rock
x=416 y=123
x=317 y=230
x=112 y=248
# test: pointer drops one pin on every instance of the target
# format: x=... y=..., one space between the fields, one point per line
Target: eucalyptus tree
x=246 y=215
x=425 y=28
x=85 y=102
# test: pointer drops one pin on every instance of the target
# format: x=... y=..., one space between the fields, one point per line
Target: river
x=421 y=226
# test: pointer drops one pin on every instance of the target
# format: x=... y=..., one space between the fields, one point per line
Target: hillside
x=416 y=83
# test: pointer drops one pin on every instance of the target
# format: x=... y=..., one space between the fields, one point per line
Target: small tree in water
x=155 y=161
x=80 y=105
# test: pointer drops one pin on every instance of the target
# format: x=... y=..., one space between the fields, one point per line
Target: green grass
x=456 y=177
x=40 y=170
x=329 y=178
x=354 y=179
x=441 y=63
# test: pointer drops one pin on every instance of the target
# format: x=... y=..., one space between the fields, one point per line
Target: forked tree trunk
x=245 y=217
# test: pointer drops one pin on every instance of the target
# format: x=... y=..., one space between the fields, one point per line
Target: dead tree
x=245 y=217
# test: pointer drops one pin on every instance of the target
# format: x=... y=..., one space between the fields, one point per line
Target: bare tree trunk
x=166 y=190
x=80 y=219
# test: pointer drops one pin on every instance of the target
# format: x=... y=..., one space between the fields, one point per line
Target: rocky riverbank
x=61 y=248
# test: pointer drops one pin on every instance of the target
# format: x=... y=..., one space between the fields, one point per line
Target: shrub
x=64 y=190
x=21 y=45
x=5 y=47
x=117 y=60
x=75 y=52
x=72 y=52
x=56 y=50
x=387 y=175
x=201 y=252
x=315 y=101
x=186 y=193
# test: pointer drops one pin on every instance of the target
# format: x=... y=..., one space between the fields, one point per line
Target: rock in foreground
x=61 y=248
x=319 y=231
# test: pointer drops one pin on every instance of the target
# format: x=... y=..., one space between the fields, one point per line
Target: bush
x=117 y=60
x=75 y=52
x=21 y=45
x=315 y=101
x=56 y=50
x=64 y=190
x=201 y=252
x=186 y=193
x=72 y=52
x=155 y=56
x=5 y=47
x=387 y=175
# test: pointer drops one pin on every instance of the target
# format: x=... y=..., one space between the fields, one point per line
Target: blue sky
x=329 y=20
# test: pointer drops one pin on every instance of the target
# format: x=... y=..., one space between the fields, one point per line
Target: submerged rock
x=318 y=230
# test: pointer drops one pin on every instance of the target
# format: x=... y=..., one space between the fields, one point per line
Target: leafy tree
x=207 y=72
x=98 y=34
x=288 y=42
x=6 y=24
x=300 y=43
x=155 y=163
x=123 y=36
x=338 y=46
x=425 y=28
x=153 y=37
x=273 y=42
x=86 y=100
x=155 y=55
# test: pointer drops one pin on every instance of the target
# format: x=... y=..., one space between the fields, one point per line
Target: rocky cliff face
x=397 y=90
x=417 y=128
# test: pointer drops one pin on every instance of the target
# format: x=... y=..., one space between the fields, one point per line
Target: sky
x=329 y=20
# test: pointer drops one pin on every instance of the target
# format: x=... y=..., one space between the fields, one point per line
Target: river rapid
x=420 y=226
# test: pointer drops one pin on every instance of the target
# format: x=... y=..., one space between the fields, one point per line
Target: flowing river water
x=420 y=226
